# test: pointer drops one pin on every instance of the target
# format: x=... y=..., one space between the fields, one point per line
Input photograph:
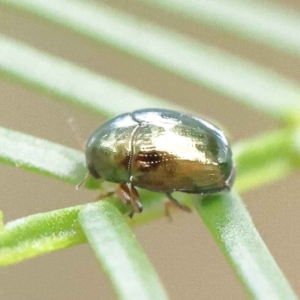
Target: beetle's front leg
x=131 y=196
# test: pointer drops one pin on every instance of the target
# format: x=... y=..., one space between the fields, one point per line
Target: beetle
x=163 y=151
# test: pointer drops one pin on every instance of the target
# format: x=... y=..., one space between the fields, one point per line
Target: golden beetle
x=162 y=151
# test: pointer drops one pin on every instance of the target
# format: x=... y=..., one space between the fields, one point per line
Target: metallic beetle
x=162 y=151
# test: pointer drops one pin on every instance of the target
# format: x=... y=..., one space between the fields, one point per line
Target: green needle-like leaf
x=118 y=251
x=226 y=74
x=265 y=158
x=67 y=81
x=261 y=22
x=45 y=232
x=41 y=156
x=231 y=226
x=39 y=234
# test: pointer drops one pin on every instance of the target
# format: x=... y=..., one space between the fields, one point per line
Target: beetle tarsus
x=130 y=196
x=139 y=206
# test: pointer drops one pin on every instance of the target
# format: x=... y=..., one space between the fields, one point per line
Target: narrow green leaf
x=50 y=231
x=39 y=234
x=41 y=156
x=265 y=159
x=231 y=226
x=264 y=174
x=67 y=81
x=265 y=23
x=116 y=248
x=224 y=73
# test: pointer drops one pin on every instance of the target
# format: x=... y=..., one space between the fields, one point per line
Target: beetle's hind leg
x=174 y=202
x=130 y=195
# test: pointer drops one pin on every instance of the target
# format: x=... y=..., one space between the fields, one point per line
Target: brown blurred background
x=183 y=252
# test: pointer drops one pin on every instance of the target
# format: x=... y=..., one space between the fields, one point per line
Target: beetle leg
x=136 y=204
x=174 y=202
x=130 y=195
x=123 y=193
x=168 y=205
x=104 y=195
x=119 y=192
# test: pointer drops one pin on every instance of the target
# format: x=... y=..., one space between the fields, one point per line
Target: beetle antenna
x=74 y=127
x=86 y=177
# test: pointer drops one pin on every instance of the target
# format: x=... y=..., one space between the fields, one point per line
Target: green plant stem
x=116 y=248
x=231 y=226
x=226 y=74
